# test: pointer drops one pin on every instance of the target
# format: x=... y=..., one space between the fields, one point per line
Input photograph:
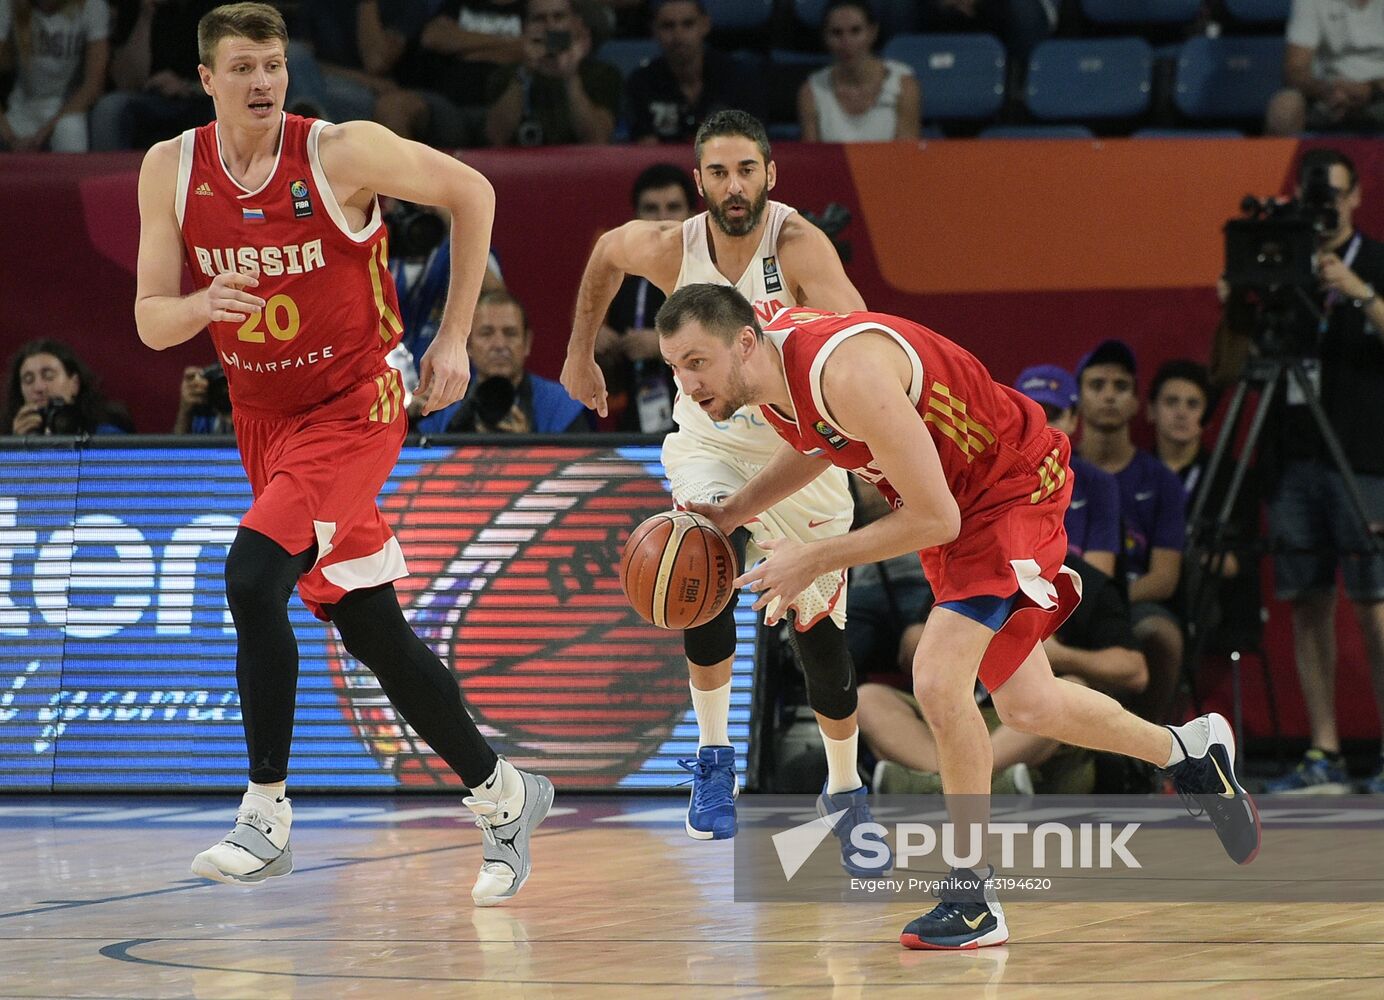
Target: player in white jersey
x=775 y=258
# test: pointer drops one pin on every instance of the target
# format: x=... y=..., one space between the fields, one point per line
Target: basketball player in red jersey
x=979 y=485
x=276 y=218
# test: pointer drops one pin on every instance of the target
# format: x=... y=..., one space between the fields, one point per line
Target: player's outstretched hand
x=443 y=374
x=584 y=382
x=784 y=574
x=228 y=298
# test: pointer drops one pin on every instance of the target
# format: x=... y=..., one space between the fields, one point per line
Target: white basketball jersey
x=745 y=434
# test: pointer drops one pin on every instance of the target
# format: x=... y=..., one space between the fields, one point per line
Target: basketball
x=677 y=570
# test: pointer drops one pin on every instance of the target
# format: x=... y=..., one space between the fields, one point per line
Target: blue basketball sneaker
x=711 y=813
x=856 y=807
x=1316 y=774
x=967 y=915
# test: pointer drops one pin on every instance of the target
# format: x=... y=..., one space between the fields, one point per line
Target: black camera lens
x=218 y=390
x=61 y=417
x=414 y=232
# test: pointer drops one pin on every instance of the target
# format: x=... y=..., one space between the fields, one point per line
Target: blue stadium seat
x=792 y=57
x=1037 y=132
x=961 y=76
x=1228 y=78
x=1141 y=11
x=628 y=54
x=738 y=14
x=1075 y=78
x=1258 y=11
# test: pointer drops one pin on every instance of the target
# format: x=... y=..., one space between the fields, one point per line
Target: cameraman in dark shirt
x=52 y=392
x=1312 y=523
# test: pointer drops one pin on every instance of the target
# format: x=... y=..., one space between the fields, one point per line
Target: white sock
x=274 y=792
x=506 y=787
x=1194 y=737
x=712 y=709
x=842 y=775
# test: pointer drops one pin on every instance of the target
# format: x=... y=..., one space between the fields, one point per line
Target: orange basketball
x=677 y=570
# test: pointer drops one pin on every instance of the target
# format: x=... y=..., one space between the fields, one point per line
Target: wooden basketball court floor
x=96 y=901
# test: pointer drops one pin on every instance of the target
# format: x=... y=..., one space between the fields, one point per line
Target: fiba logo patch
x=833 y=436
x=514 y=564
x=302 y=203
x=771 y=275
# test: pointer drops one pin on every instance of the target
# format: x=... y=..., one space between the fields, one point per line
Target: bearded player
x=979 y=486
x=775 y=258
x=277 y=219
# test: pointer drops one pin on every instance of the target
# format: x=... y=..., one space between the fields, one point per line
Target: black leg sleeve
x=709 y=644
x=827 y=665
x=420 y=686
x=260 y=577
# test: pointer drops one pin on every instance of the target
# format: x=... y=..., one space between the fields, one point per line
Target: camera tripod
x=1208 y=543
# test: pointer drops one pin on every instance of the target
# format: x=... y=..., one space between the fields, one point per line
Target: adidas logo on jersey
x=204 y=188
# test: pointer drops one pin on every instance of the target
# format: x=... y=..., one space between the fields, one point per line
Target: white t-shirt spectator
x=878 y=124
x=1347 y=36
x=57 y=44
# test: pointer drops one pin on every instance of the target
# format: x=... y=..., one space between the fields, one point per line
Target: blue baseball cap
x=1108 y=352
x=1051 y=385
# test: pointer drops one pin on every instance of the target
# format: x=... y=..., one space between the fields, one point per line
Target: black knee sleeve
x=416 y=682
x=709 y=644
x=260 y=576
x=827 y=665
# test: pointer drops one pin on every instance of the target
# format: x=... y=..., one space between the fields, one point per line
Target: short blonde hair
x=258 y=22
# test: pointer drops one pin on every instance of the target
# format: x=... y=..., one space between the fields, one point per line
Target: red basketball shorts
x=1014 y=545
x=315 y=477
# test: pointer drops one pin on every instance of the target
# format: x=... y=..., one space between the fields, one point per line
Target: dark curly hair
x=91 y=403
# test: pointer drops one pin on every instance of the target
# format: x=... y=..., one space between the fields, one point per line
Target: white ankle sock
x=842 y=775
x=713 y=712
x=1190 y=739
x=506 y=787
x=274 y=793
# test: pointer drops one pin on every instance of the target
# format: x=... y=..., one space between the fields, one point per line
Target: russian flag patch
x=252 y=215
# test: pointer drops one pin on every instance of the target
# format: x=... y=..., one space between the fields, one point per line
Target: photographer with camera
x=52 y=392
x=559 y=94
x=504 y=397
x=204 y=402
x=1314 y=526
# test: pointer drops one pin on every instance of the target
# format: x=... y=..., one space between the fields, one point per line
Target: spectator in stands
x=344 y=54
x=1095 y=647
x=1152 y=511
x=1093 y=516
x=859 y=97
x=52 y=392
x=154 y=67
x=668 y=98
x=1333 y=69
x=559 y=94
x=204 y=404
x=503 y=396
x=641 y=386
x=456 y=54
x=58 y=51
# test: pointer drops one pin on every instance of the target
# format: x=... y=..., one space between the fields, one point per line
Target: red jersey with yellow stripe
x=984 y=431
x=331 y=312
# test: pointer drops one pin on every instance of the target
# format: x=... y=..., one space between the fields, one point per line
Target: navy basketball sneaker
x=967 y=915
x=1207 y=783
x=855 y=809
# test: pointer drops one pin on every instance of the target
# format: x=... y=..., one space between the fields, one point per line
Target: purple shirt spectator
x=1093 y=517
x=1152 y=507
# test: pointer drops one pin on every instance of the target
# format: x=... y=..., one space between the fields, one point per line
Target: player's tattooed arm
x=651 y=250
x=807 y=256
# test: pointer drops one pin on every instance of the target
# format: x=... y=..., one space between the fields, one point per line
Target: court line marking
x=120 y=951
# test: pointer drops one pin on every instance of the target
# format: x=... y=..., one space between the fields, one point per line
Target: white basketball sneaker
x=256 y=849
x=506 y=826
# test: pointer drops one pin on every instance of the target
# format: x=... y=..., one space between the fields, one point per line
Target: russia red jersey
x=331 y=312
x=982 y=429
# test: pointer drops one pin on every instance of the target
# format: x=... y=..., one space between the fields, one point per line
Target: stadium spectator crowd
x=121 y=74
